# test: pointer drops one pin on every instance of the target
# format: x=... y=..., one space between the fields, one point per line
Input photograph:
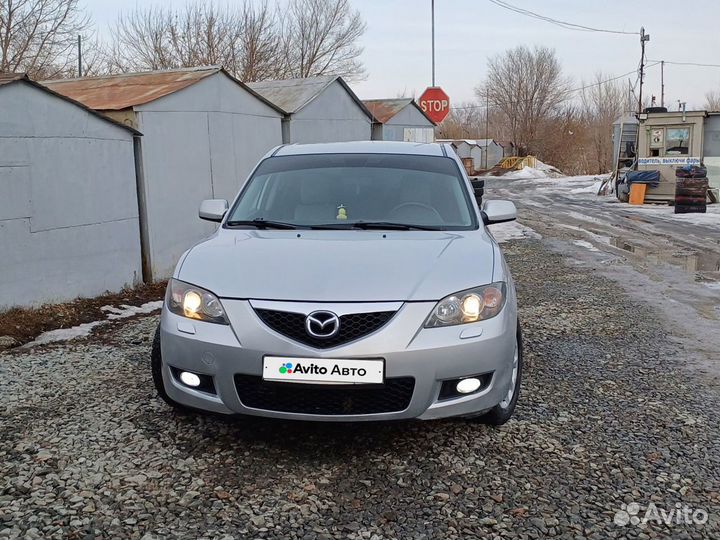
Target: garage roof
x=384 y=109
x=118 y=92
x=8 y=78
x=292 y=95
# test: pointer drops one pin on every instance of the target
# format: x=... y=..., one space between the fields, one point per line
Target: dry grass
x=24 y=325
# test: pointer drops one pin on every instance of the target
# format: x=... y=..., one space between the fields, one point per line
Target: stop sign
x=435 y=103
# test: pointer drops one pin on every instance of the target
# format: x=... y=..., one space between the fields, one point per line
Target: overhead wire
x=563 y=24
x=686 y=63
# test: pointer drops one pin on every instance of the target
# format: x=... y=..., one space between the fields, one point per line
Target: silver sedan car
x=346 y=282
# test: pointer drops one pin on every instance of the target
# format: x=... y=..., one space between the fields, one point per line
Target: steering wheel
x=411 y=204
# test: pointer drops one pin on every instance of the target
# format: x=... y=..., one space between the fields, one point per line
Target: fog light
x=466 y=386
x=190 y=379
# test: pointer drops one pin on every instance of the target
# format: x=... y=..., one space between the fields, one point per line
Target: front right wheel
x=502 y=412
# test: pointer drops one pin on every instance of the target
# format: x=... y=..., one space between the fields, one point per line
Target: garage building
x=68 y=203
x=203 y=131
x=400 y=120
x=318 y=109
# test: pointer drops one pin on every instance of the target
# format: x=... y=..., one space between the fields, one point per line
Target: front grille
x=392 y=396
x=352 y=326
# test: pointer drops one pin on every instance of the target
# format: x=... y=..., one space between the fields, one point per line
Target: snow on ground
x=512 y=230
x=125 y=311
x=589 y=189
x=711 y=217
x=587 y=186
x=82 y=330
x=585 y=244
x=64 y=334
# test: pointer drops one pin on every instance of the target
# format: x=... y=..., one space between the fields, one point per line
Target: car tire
x=502 y=412
x=156 y=368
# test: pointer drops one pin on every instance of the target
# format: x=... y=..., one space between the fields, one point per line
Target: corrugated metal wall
x=333 y=116
x=198 y=143
x=408 y=118
x=494 y=154
x=711 y=149
x=68 y=209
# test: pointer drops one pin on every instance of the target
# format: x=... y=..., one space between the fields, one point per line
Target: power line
x=686 y=63
x=557 y=22
x=567 y=92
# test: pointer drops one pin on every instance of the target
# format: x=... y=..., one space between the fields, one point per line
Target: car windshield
x=355 y=191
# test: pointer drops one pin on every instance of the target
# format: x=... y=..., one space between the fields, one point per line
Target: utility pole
x=432 y=18
x=487 y=123
x=643 y=38
x=662 y=83
x=79 y=56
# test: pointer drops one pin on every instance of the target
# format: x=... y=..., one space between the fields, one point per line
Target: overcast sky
x=397 y=42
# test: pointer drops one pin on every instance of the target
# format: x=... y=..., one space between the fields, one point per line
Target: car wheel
x=502 y=412
x=156 y=367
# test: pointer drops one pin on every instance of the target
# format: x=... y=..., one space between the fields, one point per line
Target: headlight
x=468 y=306
x=194 y=302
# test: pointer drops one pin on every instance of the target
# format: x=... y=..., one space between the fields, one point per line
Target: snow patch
x=589 y=189
x=64 y=334
x=526 y=173
x=585 y=244
x=128 y=311
x=83 y=330
x=512 y=230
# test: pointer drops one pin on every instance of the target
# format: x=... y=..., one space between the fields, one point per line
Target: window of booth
x=677 y=141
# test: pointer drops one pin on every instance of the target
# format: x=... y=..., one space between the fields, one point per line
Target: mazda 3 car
x=346 y=282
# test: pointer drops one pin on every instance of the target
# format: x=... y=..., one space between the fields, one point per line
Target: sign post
x=435 y=103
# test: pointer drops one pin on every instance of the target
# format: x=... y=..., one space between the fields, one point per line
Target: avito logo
x=314 y=369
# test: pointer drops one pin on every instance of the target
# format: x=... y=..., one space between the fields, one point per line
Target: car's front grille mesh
x=352 y=326
x=392 y=396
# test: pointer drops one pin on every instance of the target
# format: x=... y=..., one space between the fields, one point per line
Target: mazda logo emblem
x=322 y=324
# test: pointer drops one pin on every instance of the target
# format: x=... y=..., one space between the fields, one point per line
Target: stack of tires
x=478 y=189
x=691 y=185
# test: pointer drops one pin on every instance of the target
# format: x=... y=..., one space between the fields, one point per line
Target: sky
x=397 y=42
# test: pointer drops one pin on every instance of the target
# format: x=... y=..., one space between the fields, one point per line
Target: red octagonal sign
x=435 y=103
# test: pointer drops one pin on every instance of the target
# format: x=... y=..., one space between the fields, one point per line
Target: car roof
x=363 y=147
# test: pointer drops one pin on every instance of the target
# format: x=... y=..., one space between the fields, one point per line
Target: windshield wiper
x=389 y=225
x=261 y=223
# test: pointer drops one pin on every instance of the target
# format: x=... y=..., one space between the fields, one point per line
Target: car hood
x=339 y=266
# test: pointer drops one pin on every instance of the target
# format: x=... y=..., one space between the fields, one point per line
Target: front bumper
x=430 y=356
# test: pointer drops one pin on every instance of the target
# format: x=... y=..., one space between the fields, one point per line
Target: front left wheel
x=156 y=368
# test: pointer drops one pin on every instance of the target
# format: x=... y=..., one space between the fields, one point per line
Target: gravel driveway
x=608 y=416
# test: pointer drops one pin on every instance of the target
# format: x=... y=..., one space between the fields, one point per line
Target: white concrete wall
x=198 y=143
x=68 y=204
x=333 y=116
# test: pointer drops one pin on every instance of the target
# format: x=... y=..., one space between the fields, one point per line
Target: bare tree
x=253 y=41
x=527 y=87
x=712 y=101
x=39 y=37
x=320 y=37
x=258 y=52
x=159 y=38
x=465 y=121
x=603 y=102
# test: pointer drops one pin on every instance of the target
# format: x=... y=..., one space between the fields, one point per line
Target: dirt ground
x=23 y=325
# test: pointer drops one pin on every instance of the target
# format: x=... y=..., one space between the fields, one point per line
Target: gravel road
x=608 y=416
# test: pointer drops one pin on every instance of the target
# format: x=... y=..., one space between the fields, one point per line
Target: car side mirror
x=498 y=212
x=213 y=209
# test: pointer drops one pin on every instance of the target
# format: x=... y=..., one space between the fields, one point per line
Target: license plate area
x=323 y=370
